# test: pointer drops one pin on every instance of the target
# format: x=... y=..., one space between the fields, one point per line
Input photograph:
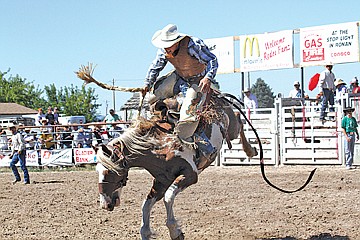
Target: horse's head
x=113 y=172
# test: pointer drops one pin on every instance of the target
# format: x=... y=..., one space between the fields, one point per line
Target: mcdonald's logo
x=251 y=43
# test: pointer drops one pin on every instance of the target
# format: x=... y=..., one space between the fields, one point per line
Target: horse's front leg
x=156 y=193
x=178 y=185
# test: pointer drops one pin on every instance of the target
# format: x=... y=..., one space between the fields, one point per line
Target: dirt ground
x=227 y=203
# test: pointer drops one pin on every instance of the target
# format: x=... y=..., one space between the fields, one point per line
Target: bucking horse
x=174 y=165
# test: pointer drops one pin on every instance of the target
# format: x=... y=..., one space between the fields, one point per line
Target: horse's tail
x=237 y=104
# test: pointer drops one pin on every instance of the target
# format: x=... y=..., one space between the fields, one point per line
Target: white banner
x=329 y=44
x=223 y=48
x=266 y=51
x=61 y=157
x=84 y=155
x=31 y=158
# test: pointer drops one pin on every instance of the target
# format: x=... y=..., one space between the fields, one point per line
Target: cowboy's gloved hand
x=205 y=85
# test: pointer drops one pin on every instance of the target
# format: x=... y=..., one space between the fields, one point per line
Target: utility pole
x=114 y=96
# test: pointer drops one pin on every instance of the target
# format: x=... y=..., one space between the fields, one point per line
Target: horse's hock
x=292 y=133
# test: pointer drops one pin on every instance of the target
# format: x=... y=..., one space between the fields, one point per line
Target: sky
x=45 y=41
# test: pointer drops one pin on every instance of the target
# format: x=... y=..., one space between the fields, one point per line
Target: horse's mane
x=137 y=139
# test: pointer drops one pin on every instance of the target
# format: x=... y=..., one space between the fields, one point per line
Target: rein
x=262 y=165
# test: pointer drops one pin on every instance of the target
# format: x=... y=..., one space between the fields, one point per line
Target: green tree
x=19 y=90
x=263 y=93
x=73 y=100
x=70 y=100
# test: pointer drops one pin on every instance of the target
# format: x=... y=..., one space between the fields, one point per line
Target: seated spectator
x=66 y=138
x=46 y=139
x=4 y=141
x=45 y=125
x=97 y=134
x=29 y=139
x=79 y=137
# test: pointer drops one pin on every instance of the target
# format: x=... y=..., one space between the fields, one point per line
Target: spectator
x=79 y=137
x=355 y=85
x=111 y=118
x=297 y=92
x=66 y=138
x=250 y=100
x=18 y=153
x=29 y=139
x=50 y=116
x=349 y=129
x=97 y=133
x=45 y=124
x=46 y=139
x=340 y=90
x=4 y=142
x=56 y=116
x=326 y=90
x=39 y=116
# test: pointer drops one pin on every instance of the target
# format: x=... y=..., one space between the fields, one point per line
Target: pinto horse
x=172 y=163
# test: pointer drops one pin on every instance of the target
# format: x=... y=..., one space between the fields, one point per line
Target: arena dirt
x=227 y=203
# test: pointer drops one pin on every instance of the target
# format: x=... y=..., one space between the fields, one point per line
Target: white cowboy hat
x=246 y=90
x=167 y=37
x=296 y=83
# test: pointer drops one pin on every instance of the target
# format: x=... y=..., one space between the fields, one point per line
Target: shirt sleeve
x=199 y=50
x=155 y=68
x=321 y=81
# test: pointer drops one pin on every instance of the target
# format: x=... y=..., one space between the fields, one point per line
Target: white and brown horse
x=173 y=164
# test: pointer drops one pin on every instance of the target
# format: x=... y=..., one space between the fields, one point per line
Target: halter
x=122 y=163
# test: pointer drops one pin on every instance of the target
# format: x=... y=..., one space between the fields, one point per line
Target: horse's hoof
x=180 y=237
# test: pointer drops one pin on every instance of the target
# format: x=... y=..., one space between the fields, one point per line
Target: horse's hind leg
x=156 y=193
x=178 y=185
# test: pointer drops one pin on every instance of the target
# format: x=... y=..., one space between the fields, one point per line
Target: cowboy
x=326 y=90
x=349 y=129
x=18 y=153
x=194 y=75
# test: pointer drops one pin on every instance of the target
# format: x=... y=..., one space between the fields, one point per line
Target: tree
x=18 y=90
x=70 y=100
x=263 y=93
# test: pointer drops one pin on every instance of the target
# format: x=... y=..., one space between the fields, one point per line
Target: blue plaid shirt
x=197 y=49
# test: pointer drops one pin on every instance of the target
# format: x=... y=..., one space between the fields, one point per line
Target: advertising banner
x=329 y=44
x=31 y=159
x=223 y=48
x=266 y=51
x=57 y=157
x=84 y=155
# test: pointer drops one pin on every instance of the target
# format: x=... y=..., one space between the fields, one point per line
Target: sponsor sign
x=266 y=51
x=329 y=44
x=31 y=158
x=60 y=157
x=84 y=155
x=223 y=48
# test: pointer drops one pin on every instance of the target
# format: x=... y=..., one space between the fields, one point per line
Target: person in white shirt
x=296 y=92
x=4 y=142
x=18 y=154
x=250 y=100
x=326 y=90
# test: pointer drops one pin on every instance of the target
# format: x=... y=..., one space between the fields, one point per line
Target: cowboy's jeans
x=15 y=159
x=349 y=149
x=328 y=96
